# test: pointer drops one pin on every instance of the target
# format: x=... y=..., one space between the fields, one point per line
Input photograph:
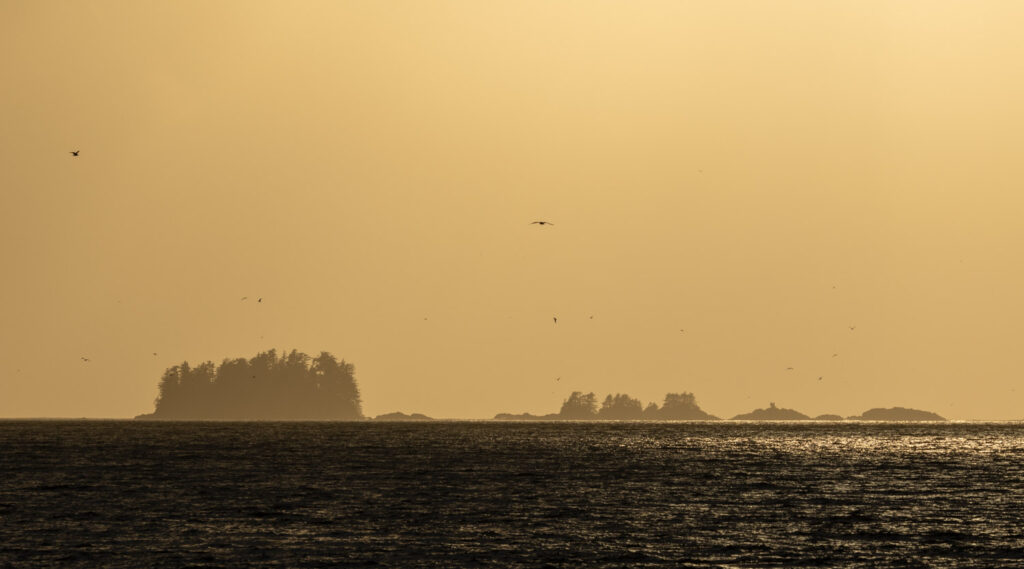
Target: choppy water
x=136 y=494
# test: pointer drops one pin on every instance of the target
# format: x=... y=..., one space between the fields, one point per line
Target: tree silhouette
x=579 y=406
x=682 y=406
x=265 y=387
x=621 y=407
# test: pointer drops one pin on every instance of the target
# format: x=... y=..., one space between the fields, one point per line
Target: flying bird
x=789 y=369
x=85 y=359
x=555 y=318
x=245 y=298
x=541 y=223
x=75 y=152
x=260 y=299
x=852 y=328
x=558 y=379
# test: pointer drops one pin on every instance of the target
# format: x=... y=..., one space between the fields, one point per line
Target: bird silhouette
x=259 y=299
x=245 y=298
x=541 y=223
x=852 y=328
x=819 y=378
x=558 y=379
x=85 y=359
x=789 y=369
x=75 y=152
x=555 y=318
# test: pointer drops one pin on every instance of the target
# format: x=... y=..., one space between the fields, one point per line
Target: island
x=897 y=414
x=619 y=407
x=399 y=416
x=772 y=413
x=292 y=387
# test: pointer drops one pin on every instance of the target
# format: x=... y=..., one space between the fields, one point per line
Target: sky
x=734 y=188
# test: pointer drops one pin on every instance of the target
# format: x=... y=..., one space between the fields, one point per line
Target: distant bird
x=541 y=223
x=245 y=298
x=75 y=152
x=852 y=328
x=154 y=353
x=819 y=378
x=682 y=329
x=555 y=318
x=558 y=379
x=789 y=369
x=259 y=299
x=591 y=316
x=85 y=359
x=834 y=355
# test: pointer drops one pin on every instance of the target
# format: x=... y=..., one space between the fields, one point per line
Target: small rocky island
x=897 y=414
x=772 y=413
x=399 y=416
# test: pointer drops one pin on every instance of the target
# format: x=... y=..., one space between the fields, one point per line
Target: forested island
x=619 y=407
x=292 y=387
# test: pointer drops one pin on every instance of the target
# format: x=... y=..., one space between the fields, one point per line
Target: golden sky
x=762 y=175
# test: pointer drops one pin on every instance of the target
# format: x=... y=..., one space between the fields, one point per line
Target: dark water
x=134 y=494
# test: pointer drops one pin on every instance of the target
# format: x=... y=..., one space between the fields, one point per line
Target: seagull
x=541 y=223
x=75 y=152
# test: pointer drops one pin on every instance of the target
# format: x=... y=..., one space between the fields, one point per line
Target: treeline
x=292 y=387
x=621 y=407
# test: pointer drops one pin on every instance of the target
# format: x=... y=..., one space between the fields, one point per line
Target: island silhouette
x=399 y=416
x=583 y=407
x=292 y=387
x=297 y=387
x=772 y=413
x=683 y=407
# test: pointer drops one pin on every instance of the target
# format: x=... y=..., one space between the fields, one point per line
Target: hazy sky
x=763 y=175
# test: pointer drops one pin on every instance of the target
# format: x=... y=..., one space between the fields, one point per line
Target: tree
x=579 y=406
x=683 y=407
x=621 y=407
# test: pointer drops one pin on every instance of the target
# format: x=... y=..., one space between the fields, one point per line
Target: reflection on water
x=129 y=494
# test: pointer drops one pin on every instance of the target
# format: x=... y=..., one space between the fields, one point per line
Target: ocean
x=488 y=494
